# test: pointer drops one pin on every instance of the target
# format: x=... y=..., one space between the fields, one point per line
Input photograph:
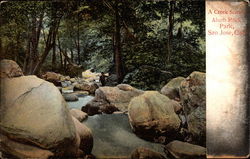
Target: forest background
x=141 y=43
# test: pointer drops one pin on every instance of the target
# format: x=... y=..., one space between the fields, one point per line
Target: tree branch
x=123 y=21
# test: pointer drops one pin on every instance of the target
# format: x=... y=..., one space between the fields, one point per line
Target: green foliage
x=144 y=35
x=188 y=42
x=147 y=78
x=15 y=24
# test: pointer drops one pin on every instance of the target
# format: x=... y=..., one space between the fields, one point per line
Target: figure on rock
x=103 y=79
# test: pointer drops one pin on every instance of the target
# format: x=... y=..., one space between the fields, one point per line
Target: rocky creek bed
x=106 y=122
x=112 y=133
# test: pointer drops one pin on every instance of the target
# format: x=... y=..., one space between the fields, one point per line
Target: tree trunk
x=60 y=53
x=72 y=55
x=49 y=45
x=35 y=36
x=170 y=31
x=1 y=45
x=65 y=61
x=78 y=37
x=26 y=59
x=113 y=46
x=1 y=48
x=32 y=46
x=51 y=39
x=66 y=57
x=118 y=56
x=78 y=44
x=64 y=53
x=53 y=62
x=17 y=47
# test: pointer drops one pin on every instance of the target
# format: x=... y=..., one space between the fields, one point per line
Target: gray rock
x=184 y=150
x=90 y=87
x=12 y=149
x=197 y=125
x=84 y=137
x=115 y=97
x=152 y=115
x=65 y=83
x=78 y=114
x=193 y=99
x=9 y=68
x=53 y=77
x=171 y=89
x=70 y=97
x=98 y=107
x=34 y=112
x=193 y=92
x=145 y=153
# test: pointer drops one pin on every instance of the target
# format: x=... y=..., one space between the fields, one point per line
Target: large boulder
x=34 y=112
x=145 y=153
x=147 y=78
x=118 y=96
x=193 y=99
x=15 y=149
x=152 y=115
x=193 y=91
x=85 y=136
x=78 y=114
x=53 y=77
x=197 y=126
x=110 y=99
x=90 y=87
x=9 y=68
x=184 y=150
x=171 y=89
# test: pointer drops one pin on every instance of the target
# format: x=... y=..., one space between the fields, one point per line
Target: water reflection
x=114 y=137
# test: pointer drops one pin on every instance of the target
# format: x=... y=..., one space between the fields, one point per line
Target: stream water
x=113 y=136
x=82 y=101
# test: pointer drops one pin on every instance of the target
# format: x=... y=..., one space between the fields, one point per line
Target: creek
x=113 y=136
